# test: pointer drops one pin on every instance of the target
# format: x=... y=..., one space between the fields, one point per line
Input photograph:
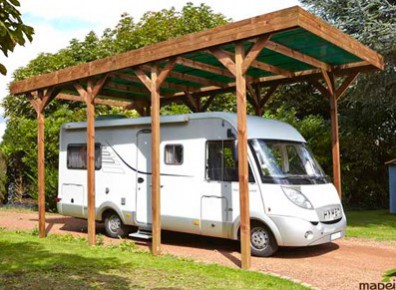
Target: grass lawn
x=374 y=224
x=65 y=262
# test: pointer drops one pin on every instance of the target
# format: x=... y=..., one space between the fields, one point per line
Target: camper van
x=292 y=201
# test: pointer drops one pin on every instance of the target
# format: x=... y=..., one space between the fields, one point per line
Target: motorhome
x=292 y=201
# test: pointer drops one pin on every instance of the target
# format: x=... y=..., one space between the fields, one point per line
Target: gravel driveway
x=339 y=265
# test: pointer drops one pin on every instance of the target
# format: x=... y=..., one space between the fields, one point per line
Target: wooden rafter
x=205 y=67
x=265 y=66
x=297 y=55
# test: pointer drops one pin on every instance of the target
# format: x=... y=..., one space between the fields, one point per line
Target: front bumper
x=293 y=231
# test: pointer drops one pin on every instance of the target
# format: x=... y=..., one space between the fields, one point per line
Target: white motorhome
x=292 y=202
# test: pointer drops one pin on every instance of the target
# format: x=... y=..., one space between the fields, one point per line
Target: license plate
x=335 y=236
x=332 y=214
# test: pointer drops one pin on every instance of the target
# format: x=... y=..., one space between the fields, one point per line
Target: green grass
x=374 y=224
x=65 y=262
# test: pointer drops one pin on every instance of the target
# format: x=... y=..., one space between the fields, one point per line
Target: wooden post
x=39 y=105
x=153 y=84
x=242 y=156
x=155 y=160
x=41 y=166
x=89 y=96
x=335 y=142
x=91 y=162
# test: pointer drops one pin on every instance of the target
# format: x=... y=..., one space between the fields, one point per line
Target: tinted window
x=173 y=154
x=77 y=156
x=221 y=163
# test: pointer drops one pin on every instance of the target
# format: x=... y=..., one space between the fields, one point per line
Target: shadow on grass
x=29 y=265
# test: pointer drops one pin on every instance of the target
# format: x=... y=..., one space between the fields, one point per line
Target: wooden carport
x=253 y=57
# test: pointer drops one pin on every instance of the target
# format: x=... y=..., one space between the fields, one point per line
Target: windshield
x=287 y=162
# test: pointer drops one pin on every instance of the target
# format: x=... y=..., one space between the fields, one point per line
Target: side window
x=174 y=154
x=77 y=156
x=221 y=162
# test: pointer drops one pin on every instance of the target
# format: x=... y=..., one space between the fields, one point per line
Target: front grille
x=332 y=222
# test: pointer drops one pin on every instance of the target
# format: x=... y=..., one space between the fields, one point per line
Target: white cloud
x=99 y=14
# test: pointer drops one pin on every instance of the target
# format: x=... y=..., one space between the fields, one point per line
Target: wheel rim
x=114 y=223
x=259 y=238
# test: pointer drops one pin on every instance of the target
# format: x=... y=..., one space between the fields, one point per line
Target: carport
x=252 y=57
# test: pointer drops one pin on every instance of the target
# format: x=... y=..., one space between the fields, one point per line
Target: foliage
x=12 y=30
x=3 y=178
x=372 y=224
x=69 y=263
x=367 y=111
x=19 y=142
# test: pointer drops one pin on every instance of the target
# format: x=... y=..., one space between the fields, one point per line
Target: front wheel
x=262 y=241
x=114 y=226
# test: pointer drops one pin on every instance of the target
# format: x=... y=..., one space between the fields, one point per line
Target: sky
x=56 y=22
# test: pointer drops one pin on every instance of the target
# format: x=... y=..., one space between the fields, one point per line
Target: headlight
x=297 y=197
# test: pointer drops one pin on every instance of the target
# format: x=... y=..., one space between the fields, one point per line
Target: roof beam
x=98 y=101
x=266 y=67
x=297 y=55
x=205 y=67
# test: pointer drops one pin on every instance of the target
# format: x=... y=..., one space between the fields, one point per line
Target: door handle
x=140 y=180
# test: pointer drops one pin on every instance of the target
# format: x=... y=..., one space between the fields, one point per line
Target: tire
x=262 y=241
x=114 y=226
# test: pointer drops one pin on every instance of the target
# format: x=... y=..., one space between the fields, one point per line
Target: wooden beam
x=320 y=88
x=98 y=101
x=155 y=159
x=254 y=52
x=39 y=105
x=205 y=67
x=247 y=29
x=187 y=77
x=344 y=86
x=224 y=58
x=208 y=103
x=90 y=102
x=242 y=157
x=266 y=67
x=165 y=72
x=297 y=55
x=336 y=37
x=41 y=164
x=268 y=94
x=329 y=81
x=193 y=103
x=335 y=142
x=126 y=88
x=99 y=85
x=143 y=78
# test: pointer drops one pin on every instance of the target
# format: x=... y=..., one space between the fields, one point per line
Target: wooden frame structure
x=282 y=47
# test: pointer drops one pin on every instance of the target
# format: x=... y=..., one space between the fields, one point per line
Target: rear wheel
x=262 y=241
x=114 y=226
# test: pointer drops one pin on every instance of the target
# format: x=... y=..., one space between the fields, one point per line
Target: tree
x=12 y=30
x=368 y=110
x=19 y=141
